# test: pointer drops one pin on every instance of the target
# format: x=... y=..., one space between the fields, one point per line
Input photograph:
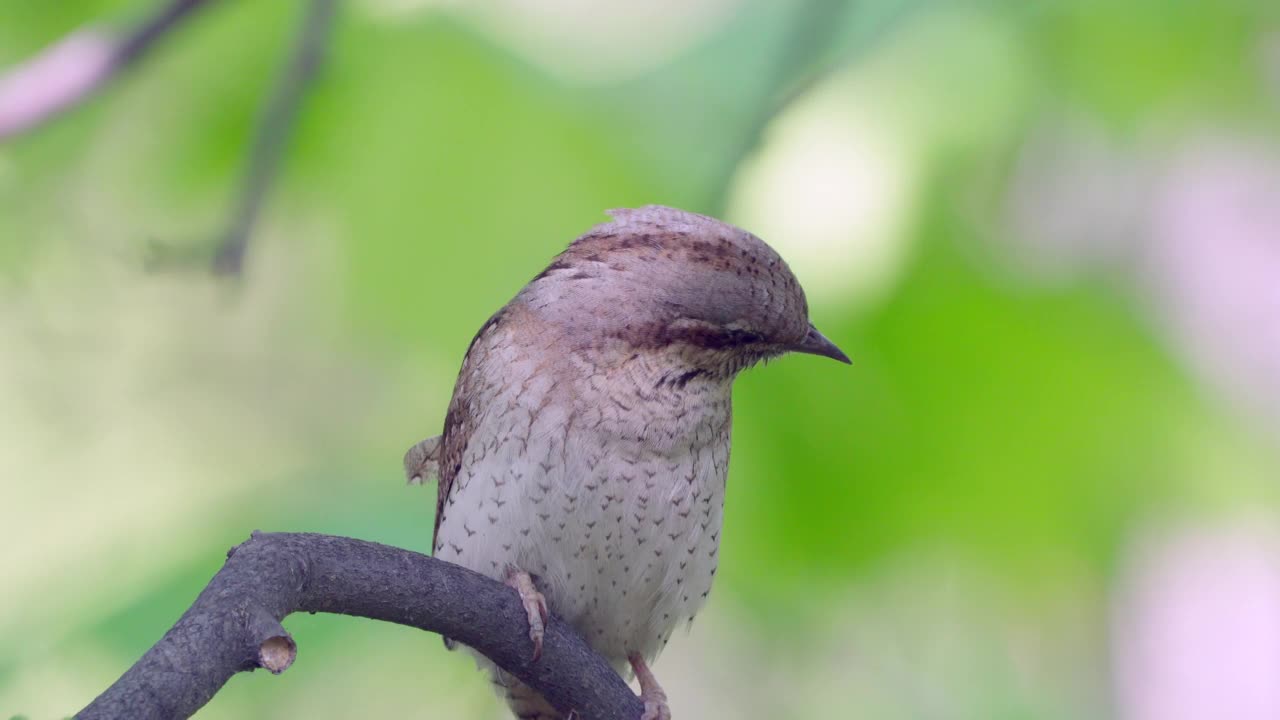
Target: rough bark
x=234 y=626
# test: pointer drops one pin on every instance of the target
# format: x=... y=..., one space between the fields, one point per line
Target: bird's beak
x=815 y=343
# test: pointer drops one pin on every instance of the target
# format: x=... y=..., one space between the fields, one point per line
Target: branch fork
x=235 y=625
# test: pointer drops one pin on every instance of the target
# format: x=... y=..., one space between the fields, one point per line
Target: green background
x=938 y=531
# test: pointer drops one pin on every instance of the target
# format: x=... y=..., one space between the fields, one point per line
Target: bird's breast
x=611 y=498
x=633 y=547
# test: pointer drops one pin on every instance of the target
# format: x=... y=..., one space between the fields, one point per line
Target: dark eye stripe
x=702 y=335
x=742 y=337
x=710 y=337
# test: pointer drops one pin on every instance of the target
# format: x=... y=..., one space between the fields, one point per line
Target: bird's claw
x=535 y=606
x=655 y=700
x=656 y=710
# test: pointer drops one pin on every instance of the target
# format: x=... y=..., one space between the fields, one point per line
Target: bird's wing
x=460 y=421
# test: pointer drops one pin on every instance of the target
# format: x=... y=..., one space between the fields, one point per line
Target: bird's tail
x=524 y=701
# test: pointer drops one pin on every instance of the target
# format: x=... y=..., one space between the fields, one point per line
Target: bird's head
x=700 y=291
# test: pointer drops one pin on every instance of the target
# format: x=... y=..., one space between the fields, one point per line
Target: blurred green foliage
x=1020 y=429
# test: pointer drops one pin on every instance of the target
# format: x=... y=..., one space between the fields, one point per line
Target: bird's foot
x=655 y=700
x=535 y=605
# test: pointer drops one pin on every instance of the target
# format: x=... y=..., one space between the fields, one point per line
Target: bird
x=586 y=445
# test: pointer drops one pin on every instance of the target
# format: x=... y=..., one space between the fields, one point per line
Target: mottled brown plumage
x=587 y=441
x=457 y=427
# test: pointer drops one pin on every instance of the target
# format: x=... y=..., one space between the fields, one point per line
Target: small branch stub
x=277 y=653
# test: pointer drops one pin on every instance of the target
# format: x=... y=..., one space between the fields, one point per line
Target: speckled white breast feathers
x=589 y=482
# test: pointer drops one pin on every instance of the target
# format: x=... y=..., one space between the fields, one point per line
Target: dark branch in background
x=234 y=626
x=135 y=44
x=273 y=133
x=797 y=70
x=806 y=59
x=77 y=66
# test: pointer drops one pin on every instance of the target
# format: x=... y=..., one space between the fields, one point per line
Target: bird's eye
x=710 y=336
x=738 y=336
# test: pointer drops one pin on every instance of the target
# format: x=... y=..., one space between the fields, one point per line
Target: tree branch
x=273 y=133
x=810 y=53
x=74 y=68
x=234 y=625
x=797 y=71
